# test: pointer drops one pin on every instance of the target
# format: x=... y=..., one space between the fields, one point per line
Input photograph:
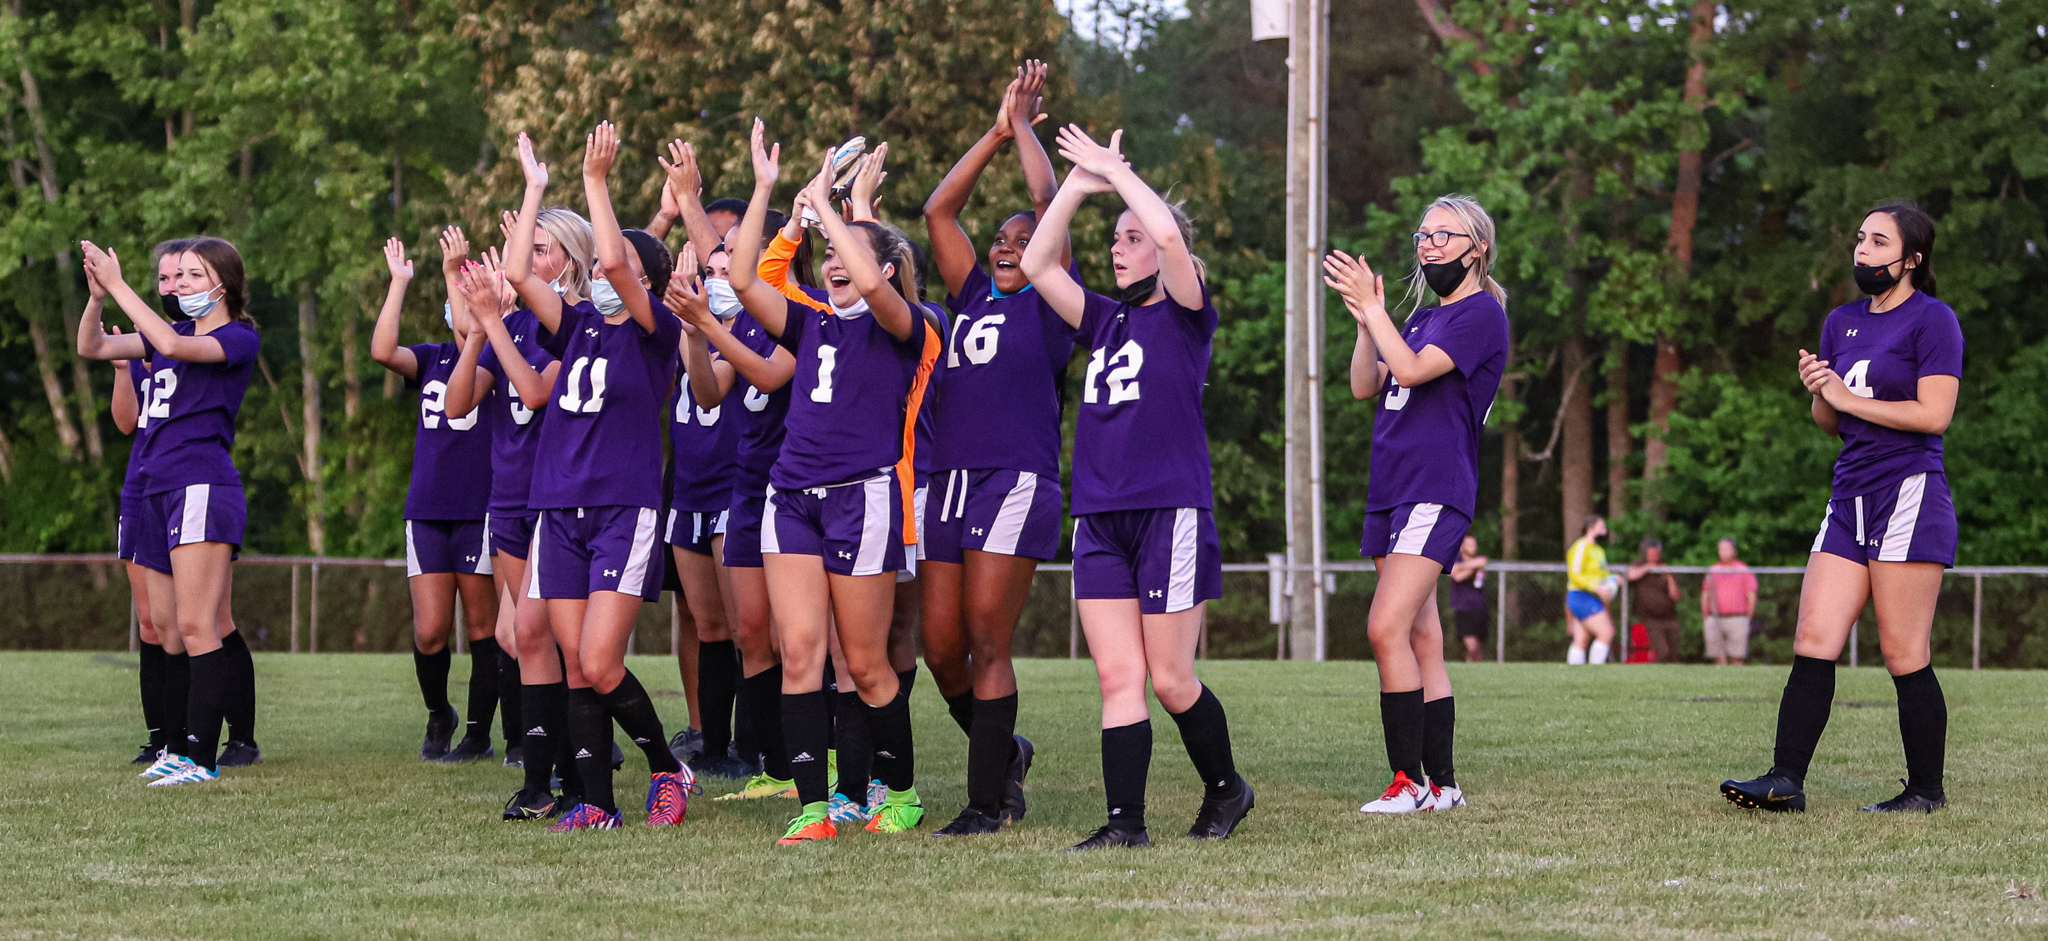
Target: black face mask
x=1139 y=291
x=1875 y=279
x=169 y=302
x=1444 y=277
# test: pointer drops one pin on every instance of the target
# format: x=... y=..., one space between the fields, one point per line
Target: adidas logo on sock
x=537 y=730
x=802 y=756
x=883 y=753
x=639 y=741
x=583 y=753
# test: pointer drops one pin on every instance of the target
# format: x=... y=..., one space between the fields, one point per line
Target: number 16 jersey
x=601 y=445
x=1140 y=442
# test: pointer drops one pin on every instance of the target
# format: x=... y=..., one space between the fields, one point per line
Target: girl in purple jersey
x=1885 y=381
x=193 y=512
x=447 y=548
x=1145 y=553
x=597 y=483
x=1435 y=377
x=995 y=512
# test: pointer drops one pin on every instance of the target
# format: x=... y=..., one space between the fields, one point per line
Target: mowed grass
x=1593 y=813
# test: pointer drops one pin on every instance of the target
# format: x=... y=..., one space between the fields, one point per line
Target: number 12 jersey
x=1140 y=442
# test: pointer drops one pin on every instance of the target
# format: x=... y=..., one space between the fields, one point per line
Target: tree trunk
x=6 y=458
x=309 y=373
x=1575 y=463
x=1685 y=216
x=1510 y=477
x=53 y=389
x=1619 y=445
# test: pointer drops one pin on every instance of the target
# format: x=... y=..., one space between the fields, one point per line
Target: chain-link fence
x=1993 y=617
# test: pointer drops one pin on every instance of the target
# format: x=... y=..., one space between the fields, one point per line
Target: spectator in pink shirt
x=1728 y=600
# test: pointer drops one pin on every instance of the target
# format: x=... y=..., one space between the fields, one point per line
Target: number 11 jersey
x=1140 y=442
x=601 y=445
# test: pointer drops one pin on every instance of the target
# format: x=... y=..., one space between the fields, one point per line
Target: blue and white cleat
x=190 y=773
x=840 y=810
x=877 y=793
x=167 y=763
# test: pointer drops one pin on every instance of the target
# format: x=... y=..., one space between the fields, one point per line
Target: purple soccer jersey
x=846 y=413
x=761 y=414
x=1000 y=407
x=131 y=482
x=1425 y=440
x=186 y=417
x=1883 y=356
x=924 y=444
x=515 y=428
x=706 y=448
x=1140 y=443
x=601 y=445
x=451 y=454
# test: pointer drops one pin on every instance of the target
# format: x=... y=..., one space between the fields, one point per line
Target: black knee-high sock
x=1126 y=760
x=962 y=709
x=895 y=749
x=512 y=700
x=546 y=709
x=763 y=695
x=1401 y=722
x=211 y=676
x=153 y=670
x=590 y=732
x=177 y=702
x=1923 y=727
x=432 y=670
x=907 y=678
x=1439 y=724
x=806 y=728
x=629 y=706
x=718 y=674
x=1205 y=730
x=483 y=689
x=1803 y=715
x=242 y=691
x=989 y=747
x=856 y=747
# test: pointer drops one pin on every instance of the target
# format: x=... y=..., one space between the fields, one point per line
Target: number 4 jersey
x=1883 y=356
x=1140 y=442
x=451 y=454
x=601 y=445
x=1425 y=440
x=187 y=413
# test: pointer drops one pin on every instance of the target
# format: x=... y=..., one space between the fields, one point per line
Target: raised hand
x=1026 y=95
x=1353 y=279
x=767 y=160
x=93 y=285
x=494 y=268
x=401 y=266
x=103 y=265
x=507 y=221
x=1815 y=374
x=683 y=176
x=600 y=148
x=454 y=250
x=1082 y=151
x=480 y=289
x=867 y=179
x=686 y=294
x=1088 y=183
x=536 y=172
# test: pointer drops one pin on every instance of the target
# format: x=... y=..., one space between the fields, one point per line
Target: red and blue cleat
x=586 y=817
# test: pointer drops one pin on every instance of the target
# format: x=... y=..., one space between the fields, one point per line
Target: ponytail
x=892 y=247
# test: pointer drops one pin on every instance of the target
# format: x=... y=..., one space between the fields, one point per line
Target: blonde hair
x=572 y=235
x=1473 y=219
x=1186 y=225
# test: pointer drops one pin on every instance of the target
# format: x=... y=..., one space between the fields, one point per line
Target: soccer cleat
x=585 y=817
x=240 y=755
x=1402 y=796
x=1445 y=798
x=760 y=786
x=725 y=766
x=190 y=773
x=532 y=805
x=1112 y=835
x=1775 y=792
x=832 y=764
x=877 y=793
x=1219 y=816
x=1013 y=792
x=809 y=827
x=468 y=750
x=166 y=763
x=441 y=728
x=901 y=812
x=688 y=745
x=971 y=822
x=149 y=756
x=515 y=756
x=1910 y=802
x=841 y=810
x=668 y=797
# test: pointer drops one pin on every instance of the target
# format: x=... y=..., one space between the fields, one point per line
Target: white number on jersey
x=157 y=395
x=828 y=359
x=704 y=418
x=980 y=342
x=1397 y=396
x=755 y=400
x=434 y=405
x=572 y=391
x=1122 y=380
x=520 y=413
x=1858 y=379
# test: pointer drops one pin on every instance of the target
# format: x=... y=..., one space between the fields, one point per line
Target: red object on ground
x=1639 y=645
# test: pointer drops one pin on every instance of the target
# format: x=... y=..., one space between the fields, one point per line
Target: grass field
x=1593 y=814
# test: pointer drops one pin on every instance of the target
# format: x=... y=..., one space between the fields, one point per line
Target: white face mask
x=607 y=300
x=198 y=305
x=448 y=313
x=858 y=310
x=725 y=304
x=558 y=286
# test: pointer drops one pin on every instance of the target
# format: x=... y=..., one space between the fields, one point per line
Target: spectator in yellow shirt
x=1592 y=587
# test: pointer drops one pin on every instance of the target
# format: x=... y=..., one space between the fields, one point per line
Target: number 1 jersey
x=601 y=445
x=1140 y=442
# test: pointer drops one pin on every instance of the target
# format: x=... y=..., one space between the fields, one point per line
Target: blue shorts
x=743 y=530
x=1431 y=530
x=597 y=548
x=1006 y=512
x=693 y=532
x=1167 y=559
x=435 y=547
x=856 y=528
x=1911 y=521
x=182 y=517
x=511 y=533
x=128 y=527
x=1583 y=604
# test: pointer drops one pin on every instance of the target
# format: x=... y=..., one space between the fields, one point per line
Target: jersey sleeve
x=1938 y=345
x=238 y=343
x=1094 y=309
x=978 y=284
x=774 y=269
x=422 y=354
x=795 y=320
x=556 y=342
x=1472 y=337
x=1202 y=323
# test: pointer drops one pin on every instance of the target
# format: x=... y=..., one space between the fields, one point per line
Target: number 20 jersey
x=1140 y=442
x=451 y=454
x=601 y=445
x=1884 y=356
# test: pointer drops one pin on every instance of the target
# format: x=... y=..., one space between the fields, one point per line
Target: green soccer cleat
x=900 y=813
x=761 y=786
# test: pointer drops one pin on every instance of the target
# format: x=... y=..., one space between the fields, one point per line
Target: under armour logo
x=444 y=360
x=174 y=530
x=469 y=558
x=1155 y=593
x=1850 y=333
x=519 y=338
x=611 y=573
x=846 y=555
x=978 y=531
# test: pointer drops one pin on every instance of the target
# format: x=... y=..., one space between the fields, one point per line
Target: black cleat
x=468 y=750
x=688 y=745
x=515 y=756
x=724 y=766
x=1013 y=789
x=1112 y=835
x=1220 y=816
x=1775 y=792
x=150 y=753
x=527 y=805
x=1910 y=802
x=969 y=823
x=240 y=755
x=440 y=731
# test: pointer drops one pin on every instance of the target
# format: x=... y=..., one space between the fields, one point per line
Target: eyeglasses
x=1438 y=239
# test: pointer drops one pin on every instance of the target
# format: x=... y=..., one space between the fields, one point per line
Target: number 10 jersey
x=1140 y=442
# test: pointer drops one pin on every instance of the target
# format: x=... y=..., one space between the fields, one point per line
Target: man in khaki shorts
x=1728 y=600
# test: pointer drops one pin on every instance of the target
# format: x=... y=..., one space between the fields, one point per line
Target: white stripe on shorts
x=412 y=556
x=1822 y=536
x=633 y=579
x=1898 y=531
x=874 y=526
x=1009 y=524
x=192 y=528
x=1415 y=535
x=917 y=501
x=1187 y=542
x=483 y=559
x=668 y=533
x=769 y=541
x=1859 y=522
x=540 y=521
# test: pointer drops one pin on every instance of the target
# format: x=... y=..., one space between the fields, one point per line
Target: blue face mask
x=606 y=298
x=189 y=306
x=448 y=313
x=725 y=305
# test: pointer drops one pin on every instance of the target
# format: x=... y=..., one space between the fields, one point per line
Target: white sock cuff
x=1598 y=654
x=1574 y=656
